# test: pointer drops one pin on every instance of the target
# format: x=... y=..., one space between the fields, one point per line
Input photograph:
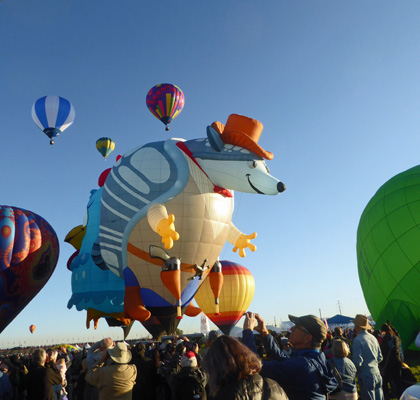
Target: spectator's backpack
x=190 y=388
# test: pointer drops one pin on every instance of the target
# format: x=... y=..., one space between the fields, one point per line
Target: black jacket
x=253 y=388
x=187 y=383
x=39 y=382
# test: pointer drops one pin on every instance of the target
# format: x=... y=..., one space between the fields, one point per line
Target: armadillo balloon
x=388 y=254
x=176 y=194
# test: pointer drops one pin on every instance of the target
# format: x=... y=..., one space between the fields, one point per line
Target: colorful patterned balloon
x=53 y=115
x=32 y=328
x=28 y=256
x=235 y=296
x=388 y=254
x=165 y=102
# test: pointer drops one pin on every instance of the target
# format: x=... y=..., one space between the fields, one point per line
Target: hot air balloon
x=388 y=254
x=29 y=253
x=235 y=296
x=53 y=115
x=165 y=102
x=98 y=291
x=105 y=146
x=32 y=328
x=175 y=194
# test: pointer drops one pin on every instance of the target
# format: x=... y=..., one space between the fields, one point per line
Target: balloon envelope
x=99 y=292
x=53 y=115
x=29 y=253
x=235 y=297
x=105 y=146
x=388 y=254
x=165 y=102
x=32 y=328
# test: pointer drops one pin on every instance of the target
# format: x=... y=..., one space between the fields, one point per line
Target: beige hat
x=120 y=354
x=361 y=321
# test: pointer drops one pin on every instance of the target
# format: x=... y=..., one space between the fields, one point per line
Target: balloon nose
x=281 y=187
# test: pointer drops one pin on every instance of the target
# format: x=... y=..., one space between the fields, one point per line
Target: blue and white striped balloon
x=53 y=115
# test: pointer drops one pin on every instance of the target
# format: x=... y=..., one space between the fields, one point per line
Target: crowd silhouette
x=309 y=362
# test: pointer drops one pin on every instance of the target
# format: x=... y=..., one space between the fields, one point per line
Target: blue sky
x=335 y=84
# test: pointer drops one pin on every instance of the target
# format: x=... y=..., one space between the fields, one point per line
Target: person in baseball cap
x=313 y=325
x=304 y=376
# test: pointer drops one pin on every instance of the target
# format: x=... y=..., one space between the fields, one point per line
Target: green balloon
x=388 y=254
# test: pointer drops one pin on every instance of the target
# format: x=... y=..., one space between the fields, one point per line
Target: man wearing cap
x=366 y=355
x=304 y=376
x=113 y=376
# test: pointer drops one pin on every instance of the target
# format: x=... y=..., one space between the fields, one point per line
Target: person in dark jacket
x=147 y=378
x=233 y=371
x=306 y=375
x=190 y=382
x=40 y=378
x=391 y=365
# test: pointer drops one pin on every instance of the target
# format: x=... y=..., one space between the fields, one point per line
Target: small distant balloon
x=53 y=115
x=32 y=328
x=165 y=102
x=105 y=146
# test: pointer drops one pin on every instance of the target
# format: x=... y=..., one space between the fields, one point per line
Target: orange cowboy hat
x=244 y=132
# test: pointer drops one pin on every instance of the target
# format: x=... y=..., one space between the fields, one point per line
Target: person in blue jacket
x=306 y=375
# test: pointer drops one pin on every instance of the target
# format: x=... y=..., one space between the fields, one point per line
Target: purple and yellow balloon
x=165 y=101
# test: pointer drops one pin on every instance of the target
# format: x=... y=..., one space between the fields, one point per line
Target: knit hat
x=188 y=359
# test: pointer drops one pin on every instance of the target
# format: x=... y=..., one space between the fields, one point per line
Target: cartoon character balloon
x=53 y=115
x=176 y=194
x=105 y=146
x=388 y=254
x=234 y=299
x=28 y=256
x=32 y=328
x=165 y=102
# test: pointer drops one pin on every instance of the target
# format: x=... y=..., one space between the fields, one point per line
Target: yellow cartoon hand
x=244 y=242
x=166 y=229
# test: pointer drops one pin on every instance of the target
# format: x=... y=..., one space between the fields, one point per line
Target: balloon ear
x=215 y=140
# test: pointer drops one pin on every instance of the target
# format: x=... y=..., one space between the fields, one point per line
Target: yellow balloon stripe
x=235 y=297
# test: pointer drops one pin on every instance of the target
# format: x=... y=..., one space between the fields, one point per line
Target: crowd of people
x=309 y=362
